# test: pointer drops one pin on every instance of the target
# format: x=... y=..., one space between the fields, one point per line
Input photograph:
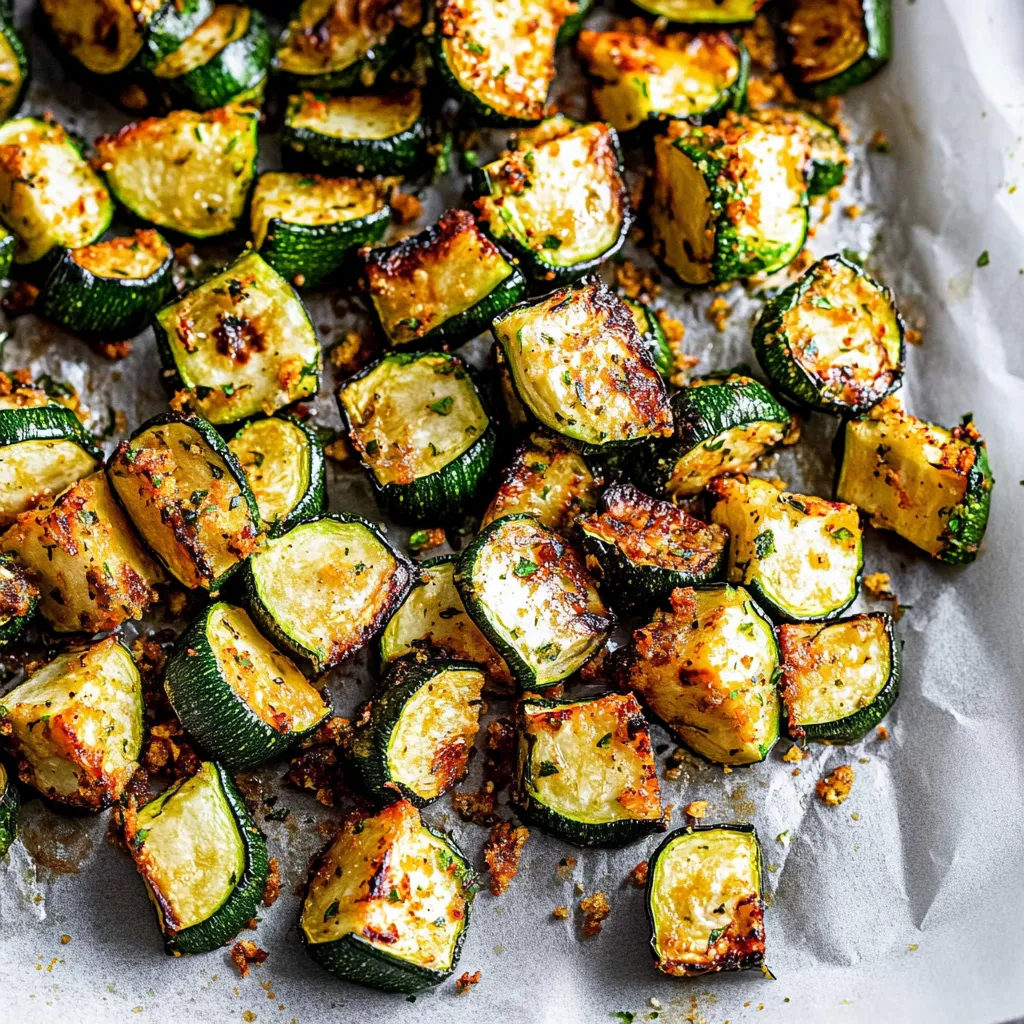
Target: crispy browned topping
x=835 y=788
x=479 y=808
x=318 y=766
x=638 y=876
x=405 y=208
x=719 y=312
x=501 y=854
x=882 y=733
x=879 y=586
x=637 y=283
x=595 y=910
x=114 y=350
x=466 y=981
x=697 y=809
x=353 y=352
x=273 y=887
x=246 y=952
x=793 y=754
x=560 y=913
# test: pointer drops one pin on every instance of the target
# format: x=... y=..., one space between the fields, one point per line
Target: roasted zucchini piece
x=188 y=497
x=104 y=36
x=839 y=680
x=930 y=485
x=837 y=44
x=325 y=588
x=800 y=556
x=499 y=58
x=442 y=286
x=829 y=158
x=356 y=134
x=305 y=226
x=241 y=698
x=241 y=343
x=578 y=364
x=75 y=725
x=558 y=200
x=722 y=425
x=92 y=572
x=705 y=902
x=203 y=860
x=168 y=29
x=10 y=806
x=703 y=12
x=19 y=598
x=832 y=340
x=14 y=69
x=189 y=172
x=651 y=77
x=422 y=434
x=388 y=907
x=284 y=465
x=585 y=770
x=108 y=289
x=640 y=549
x=729 y=201
x=412 y=741
x=49 y=195
x=708 y=669
x=653 y=336
x=530 y=595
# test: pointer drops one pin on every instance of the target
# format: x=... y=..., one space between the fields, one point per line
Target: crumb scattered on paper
x=502 y=852
x=595 y=910
x=835 y=788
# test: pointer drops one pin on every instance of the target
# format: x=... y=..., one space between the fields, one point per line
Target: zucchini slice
x=703 y=12
x=188 y=172
x=499 y=58
x=652 y=77
x=722 y=425
x=188 y=497
x=433 y=620
x=325 y=588
x=168 y=29
x=241 y=698
x=548 y=481
x=839 y=680
x=729 y=201
x=10 y=807
x=330 y=45
x=705 y=900
x=422 y=433
x=837 y=44
x=104 y=36
x=356 y=134
x=585 y=770
x=442 y=286
x=558 y=200
x=203 y=860
x=708 y=669
x=829 y=158
x=305 y=226
x=412 y=741
x=92 y=572
x=800 y=556
x=578 y=364
x=930 y=485
x=388 y=907
x=641 y=549
x=530 y=595
x=49 y=195
x=19 y=599
x=75 y=725
x=653 y=336
x=241 y=343
x=43 y=450
x=109 y=289
x=283 y=463
x=832 y=340
x=14 y=69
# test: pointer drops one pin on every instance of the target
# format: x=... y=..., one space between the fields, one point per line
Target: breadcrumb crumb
x=835 y=788
x=637 y=282
x=794 y=754
x=595 y=910
x=560 y=913
x=273 y=887
x=882 y=733
x=638 y=876
x=501 y=853
x=352 y=353
x=879 y=586
x=466 y=981
x=719 y=312
x=697 y=809
x=880 y=142
x=566 y=866
x=246 y=952
x=405 y=208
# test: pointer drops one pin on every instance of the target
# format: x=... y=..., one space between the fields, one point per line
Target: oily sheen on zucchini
x=10 y=807
x=19 y=598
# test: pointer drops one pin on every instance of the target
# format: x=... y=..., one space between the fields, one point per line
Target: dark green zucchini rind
x=574 y=22
x=703 y=12
x=413 y=739
x=641 y=549
x=14 y=69
x=585 y=770
x=422 y=434
x=703 y=874
x=829 y=158
x=834 y=340
x=169 y=28
x=109 y=290
x=19 y=599
x=7 y=244
x=442 y=286
x=836 y=46
x=530 y=595
x=654 y=337
x=10 y=809
x=217 y=806
x=839 y=680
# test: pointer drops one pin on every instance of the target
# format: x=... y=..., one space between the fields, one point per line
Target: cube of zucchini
x=388 y=907
x=585 y=770
x=442 y=286
x=10 y=807
x=19 y=598
x=74 y=726
x=104 y=36
x=14 y=69
x=703 y=12
x=708 y=669
x=241 y=343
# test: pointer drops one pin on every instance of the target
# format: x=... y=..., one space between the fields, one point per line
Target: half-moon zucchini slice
x=10 y=807
x=703 y=12
x=104 y=36
x=19 y=598
x=14 y=69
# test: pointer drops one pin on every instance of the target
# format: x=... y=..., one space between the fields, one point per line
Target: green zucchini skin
x=571 y=26
x=10 y=810
x=654 y=337
x=827 y=172
x=169 y=28
x=19 y=589
x=7 y=242
x=664 y=9
x=18 y=52
x=53 y=422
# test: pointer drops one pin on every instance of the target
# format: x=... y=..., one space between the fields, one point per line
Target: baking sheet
x=904 y=904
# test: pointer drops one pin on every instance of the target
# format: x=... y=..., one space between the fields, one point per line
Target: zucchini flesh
x=586 y=770
x=839 y=680
x=241 y=343
x=389 y=905
x=189 y=172
x=704 y=12
x=443 y=286
x=75 y=725
x=528 y=592
x=14 y=69
x=19 y=599
x=708 y=669
x=169 y=28
x=104 y=36
x=705 y=900
x=829 y=158
x=654 y=337
x=10 y=806
x=579 y=365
